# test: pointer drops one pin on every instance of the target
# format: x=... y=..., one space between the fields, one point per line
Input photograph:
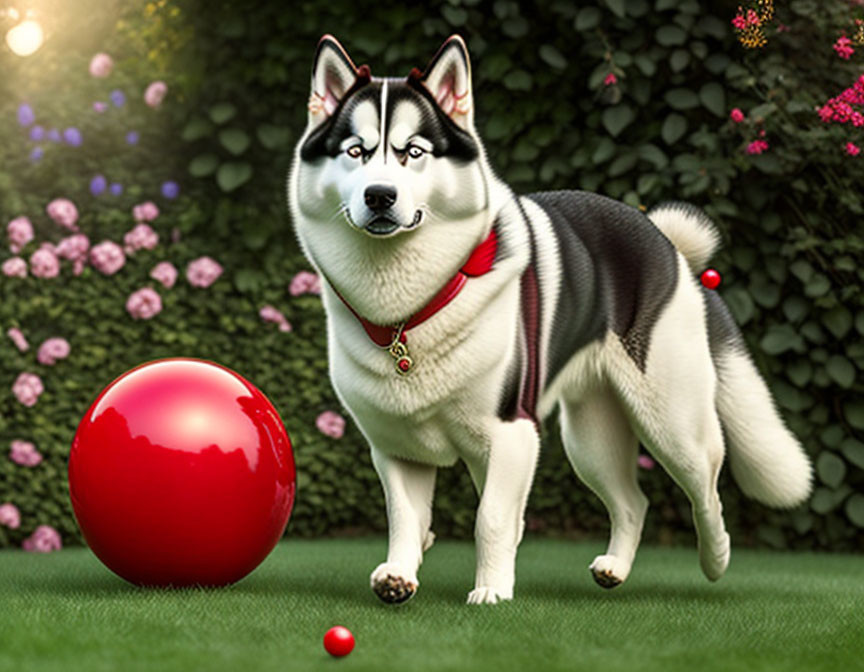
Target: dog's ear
x=448 y=79
x=333 y=75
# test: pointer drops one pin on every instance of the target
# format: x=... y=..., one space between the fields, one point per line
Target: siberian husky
x=460 y=315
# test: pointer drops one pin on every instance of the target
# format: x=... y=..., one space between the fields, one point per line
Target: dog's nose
x=380 y=196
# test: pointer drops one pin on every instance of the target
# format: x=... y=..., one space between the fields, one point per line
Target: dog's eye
x=415 y=152
x=354 y=151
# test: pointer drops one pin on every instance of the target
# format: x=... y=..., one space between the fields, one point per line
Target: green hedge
x=238 y=89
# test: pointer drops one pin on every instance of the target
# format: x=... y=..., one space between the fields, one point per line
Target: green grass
x=772 y=611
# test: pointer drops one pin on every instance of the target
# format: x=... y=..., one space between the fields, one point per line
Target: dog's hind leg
x=503 y=476
x=408 y=491
x=604 y=451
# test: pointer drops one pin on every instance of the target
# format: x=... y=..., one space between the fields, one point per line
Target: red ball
x=338 y=641
x=711 y=279
x=181 y=473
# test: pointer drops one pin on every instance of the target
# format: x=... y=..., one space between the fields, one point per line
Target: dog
x=460 y=316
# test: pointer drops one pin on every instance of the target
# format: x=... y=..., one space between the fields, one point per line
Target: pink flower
x=20 y=232
x=44 y=540
x=74 y=247
x=145 y=212
x=44 y=263
x=736 y=115
x=63 y=212
x=10 y=516
x=203 y=272
x=852 y=149
x=155 y=93
x=270 y=314
x=305 y=282
x=757 y=147
x=753 y=17
x=330 y=423
x=843 y=47
x=100 y=107
x=101 y=65
x=107 y=257
x=141 y=237
x=52 y=350
x=610 y=79
x=164 y=272
x=27 y=388
x=144 y=304
x=646 y=462
x=18 y=339
x=739 y=22
x=24 y=453
x=15 y=267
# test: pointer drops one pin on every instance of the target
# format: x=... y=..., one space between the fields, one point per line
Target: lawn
x=772 y=611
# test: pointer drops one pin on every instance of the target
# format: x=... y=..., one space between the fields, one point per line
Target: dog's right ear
x=333 y=75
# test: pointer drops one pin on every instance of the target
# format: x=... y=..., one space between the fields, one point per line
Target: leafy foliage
x=791 y=218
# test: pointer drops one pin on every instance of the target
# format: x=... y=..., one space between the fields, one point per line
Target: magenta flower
x=203 y=272
x=736 y=115
x=164 y=272
x=610 y=79
x=101 y=65
x=852 y=149
x=24 y=453
x=155 y=94
x=20 y=232
x=646 y=462
x=63 y=212
x=44 y=263
x=843 y=47
x=270 y=314
x=141 y=237
x=15 y=267
x=17 y=337
x=44 y=540
x=144 y=304
x=145 y=212
x=330 y=423
x=107 y=257
x=305 y=282
x=27 y=388
x=52 y=350
x=10 y=516
x=757 y=147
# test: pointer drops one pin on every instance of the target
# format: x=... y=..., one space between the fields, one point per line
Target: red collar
x=479 y=263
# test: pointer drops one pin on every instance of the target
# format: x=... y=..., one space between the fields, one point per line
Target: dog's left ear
x=448 y=79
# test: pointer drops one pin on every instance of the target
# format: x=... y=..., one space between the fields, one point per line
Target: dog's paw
x=715 y=562
x=487 y=595
x=428 y=540
x=609 y=571
x=392 y=583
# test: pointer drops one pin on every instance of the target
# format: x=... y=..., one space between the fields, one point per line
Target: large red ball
x=181 y=473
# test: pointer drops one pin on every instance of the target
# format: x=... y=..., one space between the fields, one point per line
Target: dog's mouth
x=382 y=226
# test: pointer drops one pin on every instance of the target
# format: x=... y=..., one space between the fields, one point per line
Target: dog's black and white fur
x=589 y=306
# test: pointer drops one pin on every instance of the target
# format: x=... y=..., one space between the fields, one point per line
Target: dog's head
x=388 y=156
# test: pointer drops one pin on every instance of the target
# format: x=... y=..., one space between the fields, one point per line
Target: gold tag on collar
x=402 y=360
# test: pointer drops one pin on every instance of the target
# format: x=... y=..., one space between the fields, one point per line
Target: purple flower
x=72 y=136
x=118 y=98
x=54 y=135
x=100 y=107
x=37 y=134
x=170 y=189
x=98 y=185
x=132 y=137
x=25 y=114
x=36 y=154
x=116 y=188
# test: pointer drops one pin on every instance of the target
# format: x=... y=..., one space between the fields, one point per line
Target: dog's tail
x=767 y=461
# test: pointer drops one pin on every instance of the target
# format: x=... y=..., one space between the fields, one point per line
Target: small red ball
x=711 y=279
x=338 y=641
x=404 y=364
x=181 y=473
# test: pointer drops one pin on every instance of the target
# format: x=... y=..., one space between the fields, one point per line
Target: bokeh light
x=25 y=38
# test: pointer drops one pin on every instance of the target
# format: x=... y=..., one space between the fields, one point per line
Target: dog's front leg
x=408 y=490
x=503 y=479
